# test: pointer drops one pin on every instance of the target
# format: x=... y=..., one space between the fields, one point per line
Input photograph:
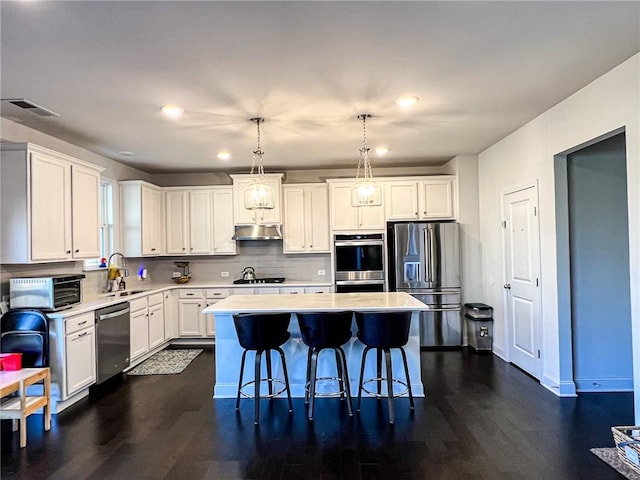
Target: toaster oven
x=50 y=293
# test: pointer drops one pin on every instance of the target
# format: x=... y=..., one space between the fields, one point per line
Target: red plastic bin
x=11 y=361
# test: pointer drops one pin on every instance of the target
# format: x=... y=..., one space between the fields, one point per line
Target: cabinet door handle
x=82 y=323
x=81 y=335
x=68 y=251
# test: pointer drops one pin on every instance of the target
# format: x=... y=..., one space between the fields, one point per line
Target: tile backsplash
x=265 y=257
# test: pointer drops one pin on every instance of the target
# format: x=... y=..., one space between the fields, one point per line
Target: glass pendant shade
x=365 y=191
x=258 y=195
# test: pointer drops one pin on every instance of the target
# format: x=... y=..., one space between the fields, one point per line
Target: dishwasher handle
x=113 y=314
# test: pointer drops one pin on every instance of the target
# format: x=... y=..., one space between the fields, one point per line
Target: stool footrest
x=383 y=395
x=338 y=393
x=271 y=395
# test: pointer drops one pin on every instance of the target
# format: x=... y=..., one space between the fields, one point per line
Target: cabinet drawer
x=138 y=304
x=74 y=324
x=242 y=291
x=317 y=290
x=292 y=290
x=267 y=291
x=218 y=292
x=155 y=299
x=190 y=293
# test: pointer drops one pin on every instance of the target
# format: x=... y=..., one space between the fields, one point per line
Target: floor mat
x=166 y=362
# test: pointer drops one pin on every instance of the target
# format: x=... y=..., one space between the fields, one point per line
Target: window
x=107 y=224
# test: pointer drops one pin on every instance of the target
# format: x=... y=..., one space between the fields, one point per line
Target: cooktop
x=260 y=280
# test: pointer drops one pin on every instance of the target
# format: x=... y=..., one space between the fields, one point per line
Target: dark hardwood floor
x=482 y=419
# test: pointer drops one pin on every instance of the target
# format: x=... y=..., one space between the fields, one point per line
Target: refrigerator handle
x=432 y=255
x=427 y=257
x=429 y=253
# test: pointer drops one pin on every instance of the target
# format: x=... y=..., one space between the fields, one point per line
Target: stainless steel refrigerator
x=424 y=261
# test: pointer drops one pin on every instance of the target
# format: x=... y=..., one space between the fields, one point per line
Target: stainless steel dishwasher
x=113 y=340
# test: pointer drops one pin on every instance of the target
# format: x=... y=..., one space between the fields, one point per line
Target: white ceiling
x=480 y=69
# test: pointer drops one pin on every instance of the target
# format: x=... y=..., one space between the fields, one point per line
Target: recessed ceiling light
x=172 y=111
x=125 y=153
x=380 y=151
x=406 y=102
x=224 y=155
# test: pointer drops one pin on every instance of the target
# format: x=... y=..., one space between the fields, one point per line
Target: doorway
x=598 y=257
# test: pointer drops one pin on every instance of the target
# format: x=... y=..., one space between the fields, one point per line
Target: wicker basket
x=627 y=440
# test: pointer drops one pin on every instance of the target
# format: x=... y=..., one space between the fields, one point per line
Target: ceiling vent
x=31 y=107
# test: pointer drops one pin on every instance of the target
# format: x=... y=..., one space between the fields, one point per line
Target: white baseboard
x=500 y=353
x=560 y=389
x=604 y=384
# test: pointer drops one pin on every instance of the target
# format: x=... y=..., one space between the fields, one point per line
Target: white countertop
x=328 y=302
x=94 y=302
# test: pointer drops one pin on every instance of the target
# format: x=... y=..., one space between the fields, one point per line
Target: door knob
x=507 y=286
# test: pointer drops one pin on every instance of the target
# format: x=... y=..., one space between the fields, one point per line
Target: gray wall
x=599 y=265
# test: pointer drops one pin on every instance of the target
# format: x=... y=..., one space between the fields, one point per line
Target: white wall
x=14 y=132
x=609 y=103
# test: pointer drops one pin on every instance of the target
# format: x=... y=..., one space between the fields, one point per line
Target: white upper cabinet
x=223 y=225
x=243 y=216
x=306 y=218
x=50 y=206
x=199 y=221
x=177 y=221
x=142 y=218
x=436 y=198
x=85 y=202
x=428 y=198
x=346 y=217
x=401 y=200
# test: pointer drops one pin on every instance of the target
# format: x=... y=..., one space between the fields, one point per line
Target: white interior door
x=522 y=290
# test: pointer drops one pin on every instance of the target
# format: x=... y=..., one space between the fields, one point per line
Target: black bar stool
x=262 y=333
x=384 y=331
x=321 y=331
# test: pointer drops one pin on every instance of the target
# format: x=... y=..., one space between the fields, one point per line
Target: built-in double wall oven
x=359 y=262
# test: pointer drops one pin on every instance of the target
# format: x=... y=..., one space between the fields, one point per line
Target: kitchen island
x=228 y=351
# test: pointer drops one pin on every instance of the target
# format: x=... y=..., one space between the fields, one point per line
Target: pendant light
x=258 y=195
x=365 y=192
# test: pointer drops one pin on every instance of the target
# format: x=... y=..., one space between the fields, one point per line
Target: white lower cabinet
x=139 y=328
x=213 y=295
x=156 y=320
x=170 y=314
x=190 y=306
x=189 y=317
x=80 y=349
x=191 y=302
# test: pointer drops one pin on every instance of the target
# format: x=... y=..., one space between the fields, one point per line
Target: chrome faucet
x=125 y=271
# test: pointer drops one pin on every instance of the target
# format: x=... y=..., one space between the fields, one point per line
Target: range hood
x=258 y=232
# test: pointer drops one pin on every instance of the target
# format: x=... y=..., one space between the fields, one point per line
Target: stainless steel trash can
x=479 y=323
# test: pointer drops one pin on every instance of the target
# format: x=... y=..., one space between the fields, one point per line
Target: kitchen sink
x=124 y=293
